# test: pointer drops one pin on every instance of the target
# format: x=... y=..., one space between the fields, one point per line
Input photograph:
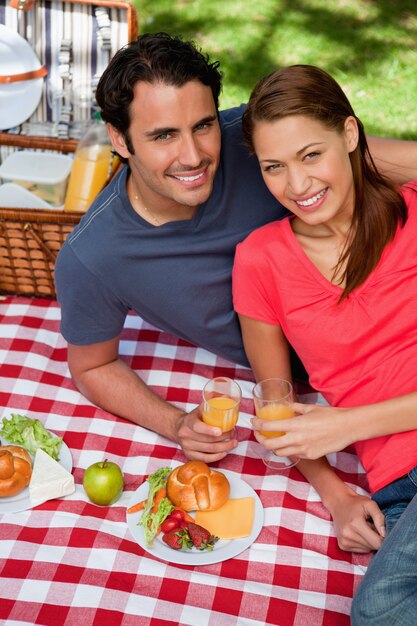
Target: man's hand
x=359 y=523
x=200 y=441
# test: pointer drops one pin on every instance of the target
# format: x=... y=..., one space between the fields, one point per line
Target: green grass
x=369 y=46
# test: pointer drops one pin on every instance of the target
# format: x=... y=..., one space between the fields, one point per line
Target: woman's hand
x=314 y=432
x=359 y=523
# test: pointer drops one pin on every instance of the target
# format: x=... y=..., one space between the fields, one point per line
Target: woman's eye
x=311 y=155
x=273 y=168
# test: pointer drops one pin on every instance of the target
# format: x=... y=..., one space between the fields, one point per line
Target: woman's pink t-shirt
x=361 y=351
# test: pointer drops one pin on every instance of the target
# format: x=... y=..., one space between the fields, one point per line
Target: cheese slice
x=233 y=520
x=49 y=479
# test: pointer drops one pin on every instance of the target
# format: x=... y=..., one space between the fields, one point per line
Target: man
x=160 y=239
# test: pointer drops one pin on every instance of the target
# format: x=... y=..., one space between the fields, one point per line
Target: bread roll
x=15 y=470
x=195 y=487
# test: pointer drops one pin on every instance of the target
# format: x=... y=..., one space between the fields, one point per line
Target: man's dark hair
x=151 y=58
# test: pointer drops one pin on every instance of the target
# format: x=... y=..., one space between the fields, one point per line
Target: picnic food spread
x=15 y=470
x=46 y=479
x=165 y=514
x=194 y=486
x=172 y=493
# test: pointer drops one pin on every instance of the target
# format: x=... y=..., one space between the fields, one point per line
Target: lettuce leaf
x=150 y=521
x=31 y=434
x=150 y=530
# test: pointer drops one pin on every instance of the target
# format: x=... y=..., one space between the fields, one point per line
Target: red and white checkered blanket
x=71 y=562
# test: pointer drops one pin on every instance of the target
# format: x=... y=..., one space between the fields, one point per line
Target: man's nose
x=189 y=152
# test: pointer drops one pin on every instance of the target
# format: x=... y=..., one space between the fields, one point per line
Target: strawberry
x=177 y=539
x=183 y=524
x=201 y=537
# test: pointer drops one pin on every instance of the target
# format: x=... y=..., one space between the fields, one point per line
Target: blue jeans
x=387 y=595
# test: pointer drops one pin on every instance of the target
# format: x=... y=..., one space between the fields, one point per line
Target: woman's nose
x=298 y=181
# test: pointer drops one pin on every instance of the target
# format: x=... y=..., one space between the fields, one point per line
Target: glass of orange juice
x=221 y=401
x=273 y=399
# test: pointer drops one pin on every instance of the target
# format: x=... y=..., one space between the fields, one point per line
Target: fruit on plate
x=15 y=470
x=177 y=539
x=201 y=537
x=188 y=535
x=194 y=486
x=103 y=482
x=169 y=524
x=176 y=519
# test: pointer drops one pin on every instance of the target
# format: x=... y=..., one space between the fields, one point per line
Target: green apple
x=103 y=482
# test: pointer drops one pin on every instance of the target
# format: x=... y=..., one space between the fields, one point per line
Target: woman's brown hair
x=379 y=207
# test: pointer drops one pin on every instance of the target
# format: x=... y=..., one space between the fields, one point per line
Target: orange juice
x=274 y=412
x=221 y=411
x=89 y=174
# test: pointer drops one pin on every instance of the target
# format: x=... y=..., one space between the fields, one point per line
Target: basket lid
x=18 y=100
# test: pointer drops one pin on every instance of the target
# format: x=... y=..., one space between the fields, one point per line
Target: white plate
x=224 y=549
x=22 y=501
x=17 y=100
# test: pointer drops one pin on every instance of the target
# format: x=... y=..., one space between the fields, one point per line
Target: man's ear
x=351 y=133
x=118 y=141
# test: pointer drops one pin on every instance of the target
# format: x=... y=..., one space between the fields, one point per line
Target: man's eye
x=202 y=126
x=163 y=137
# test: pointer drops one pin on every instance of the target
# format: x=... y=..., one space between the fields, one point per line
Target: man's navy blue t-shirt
x=176 y=276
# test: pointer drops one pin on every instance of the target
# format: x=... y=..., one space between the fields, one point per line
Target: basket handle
x=51 y=254
x=16 y=78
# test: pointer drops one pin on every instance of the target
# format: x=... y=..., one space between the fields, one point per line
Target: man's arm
x=110 y=383
x=395 y=158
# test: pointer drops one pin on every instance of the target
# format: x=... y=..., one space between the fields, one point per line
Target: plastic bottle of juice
x=92 y=167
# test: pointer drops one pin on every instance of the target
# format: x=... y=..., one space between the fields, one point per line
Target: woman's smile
x=312 y=202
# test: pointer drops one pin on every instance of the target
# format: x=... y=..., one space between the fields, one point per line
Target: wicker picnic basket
x=93 y=31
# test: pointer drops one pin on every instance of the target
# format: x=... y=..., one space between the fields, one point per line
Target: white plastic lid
x=17 y=197
x=36 y=167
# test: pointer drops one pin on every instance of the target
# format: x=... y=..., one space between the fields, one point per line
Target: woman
x=337 y=279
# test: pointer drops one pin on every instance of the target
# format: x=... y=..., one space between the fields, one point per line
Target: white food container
x=45 y=175
x=17 y=197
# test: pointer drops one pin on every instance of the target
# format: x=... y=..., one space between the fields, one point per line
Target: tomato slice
x=177 y=514
x=169 y=524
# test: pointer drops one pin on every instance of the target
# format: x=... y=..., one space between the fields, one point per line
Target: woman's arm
x=358 y=521
x=319 y=430
x=266 y=348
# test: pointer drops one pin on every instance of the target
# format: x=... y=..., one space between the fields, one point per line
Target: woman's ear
x=351 y=133
x=118 y=141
